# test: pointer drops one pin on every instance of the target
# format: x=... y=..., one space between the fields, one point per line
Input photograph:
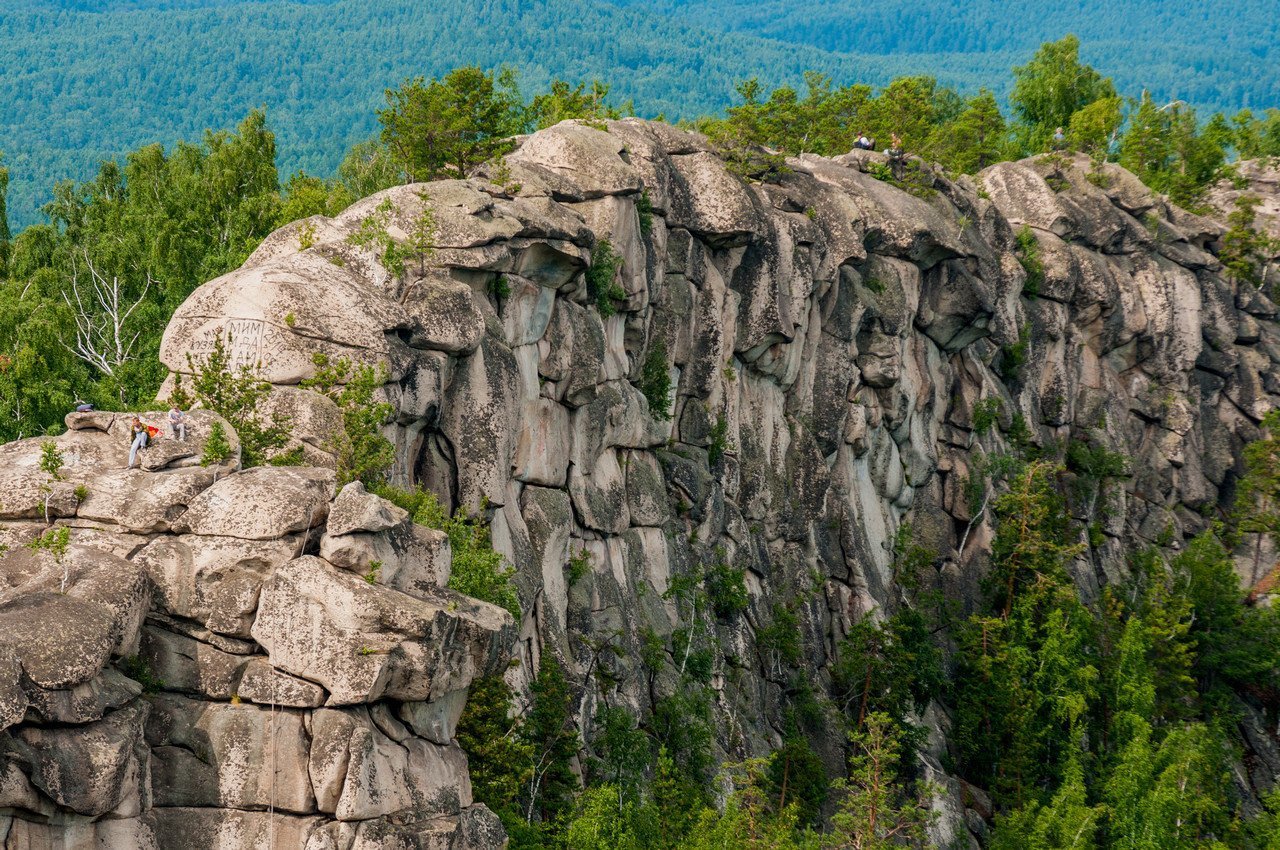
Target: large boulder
x=375 y=539
x=275 y=317
x=365 y=642
x=266 y=503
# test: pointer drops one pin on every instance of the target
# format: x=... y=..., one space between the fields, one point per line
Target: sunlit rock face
x=828 y=339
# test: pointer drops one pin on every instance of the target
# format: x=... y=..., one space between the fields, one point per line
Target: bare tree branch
x=101 y=310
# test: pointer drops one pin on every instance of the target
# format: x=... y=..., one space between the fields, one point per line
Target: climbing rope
x=271 y=810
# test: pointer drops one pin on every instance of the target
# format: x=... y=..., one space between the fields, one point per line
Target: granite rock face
x=189 y=673
x=832 y=344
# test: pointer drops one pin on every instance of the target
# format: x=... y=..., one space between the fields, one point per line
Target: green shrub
x=986 y=413
x=1096 y=462
x=140 y=671
x=655 y=381
x=500 y=287
x=217 y=448
x=373 y=235
x=602 y=278
x=719 y=440
x=478 y=570
x=578 y=567
x=361 y=452
x=1013 y=357
x=781 y=635
x=644 y=209
x=235 y=393
x=726 y=589
x=1027 y=251
x=51 y=460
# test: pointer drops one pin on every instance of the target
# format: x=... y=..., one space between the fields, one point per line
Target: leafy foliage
x=875 y=811
x=563 y=102
x=719 y=440
x=478 y=570
x=446 y=127
x=602 y=278
x=235 y=394
x=891 y=668
x=726 y=589
x=137 y=239
x=1028 y=253
x=140 y=671
x=361 y=451
x=655 y=381
x=1052 y=88
x=217 y=447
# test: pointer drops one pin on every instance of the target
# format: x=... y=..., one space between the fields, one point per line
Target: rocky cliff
x=833 y=343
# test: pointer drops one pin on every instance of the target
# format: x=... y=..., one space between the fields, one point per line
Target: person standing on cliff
x=897 y=156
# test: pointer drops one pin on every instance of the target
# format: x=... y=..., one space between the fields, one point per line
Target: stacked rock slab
x=829 y=338
x=188 y=673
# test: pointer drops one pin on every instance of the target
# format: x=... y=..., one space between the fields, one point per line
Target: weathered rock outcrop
x=185 y=675
x=829 y=339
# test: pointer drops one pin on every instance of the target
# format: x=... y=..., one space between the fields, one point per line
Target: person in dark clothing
x=897 y=155
x=864 y=142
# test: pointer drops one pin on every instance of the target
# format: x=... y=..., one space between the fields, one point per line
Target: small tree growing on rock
x=374 y=235
x=217 y=448
x=876 y=812
x=55 y=541
x=446 y=127
x=655 y=381
x=236 y=394
x=602 y=278
x=51 y=461
x=362 y=453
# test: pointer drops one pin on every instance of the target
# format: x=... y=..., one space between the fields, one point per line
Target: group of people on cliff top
x=896 y=152
x=141 y=434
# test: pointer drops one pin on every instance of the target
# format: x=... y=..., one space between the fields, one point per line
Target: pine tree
x=749 y=821
x=977 y=138
x=1065 y=822
x=446 y=127
x=561 y=103
x=875 y=810
x=236 y=394
x=499 y=759
x=549 y=731
x=1028 y=675
x=217 y=448
x=361 y=451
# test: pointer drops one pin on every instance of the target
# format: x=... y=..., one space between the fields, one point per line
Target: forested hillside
x=919 y=474
x=82 y=86
x=87 y=80
x=1206 y=52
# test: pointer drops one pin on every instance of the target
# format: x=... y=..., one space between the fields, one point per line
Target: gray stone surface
x=829 y=337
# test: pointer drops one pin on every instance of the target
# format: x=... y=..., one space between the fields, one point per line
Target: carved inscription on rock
x=243 y=339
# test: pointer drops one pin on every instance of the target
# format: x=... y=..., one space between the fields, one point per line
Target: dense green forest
x=1209 y=53
x=1105 y=726
x=84 y=80
x=80 y=86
